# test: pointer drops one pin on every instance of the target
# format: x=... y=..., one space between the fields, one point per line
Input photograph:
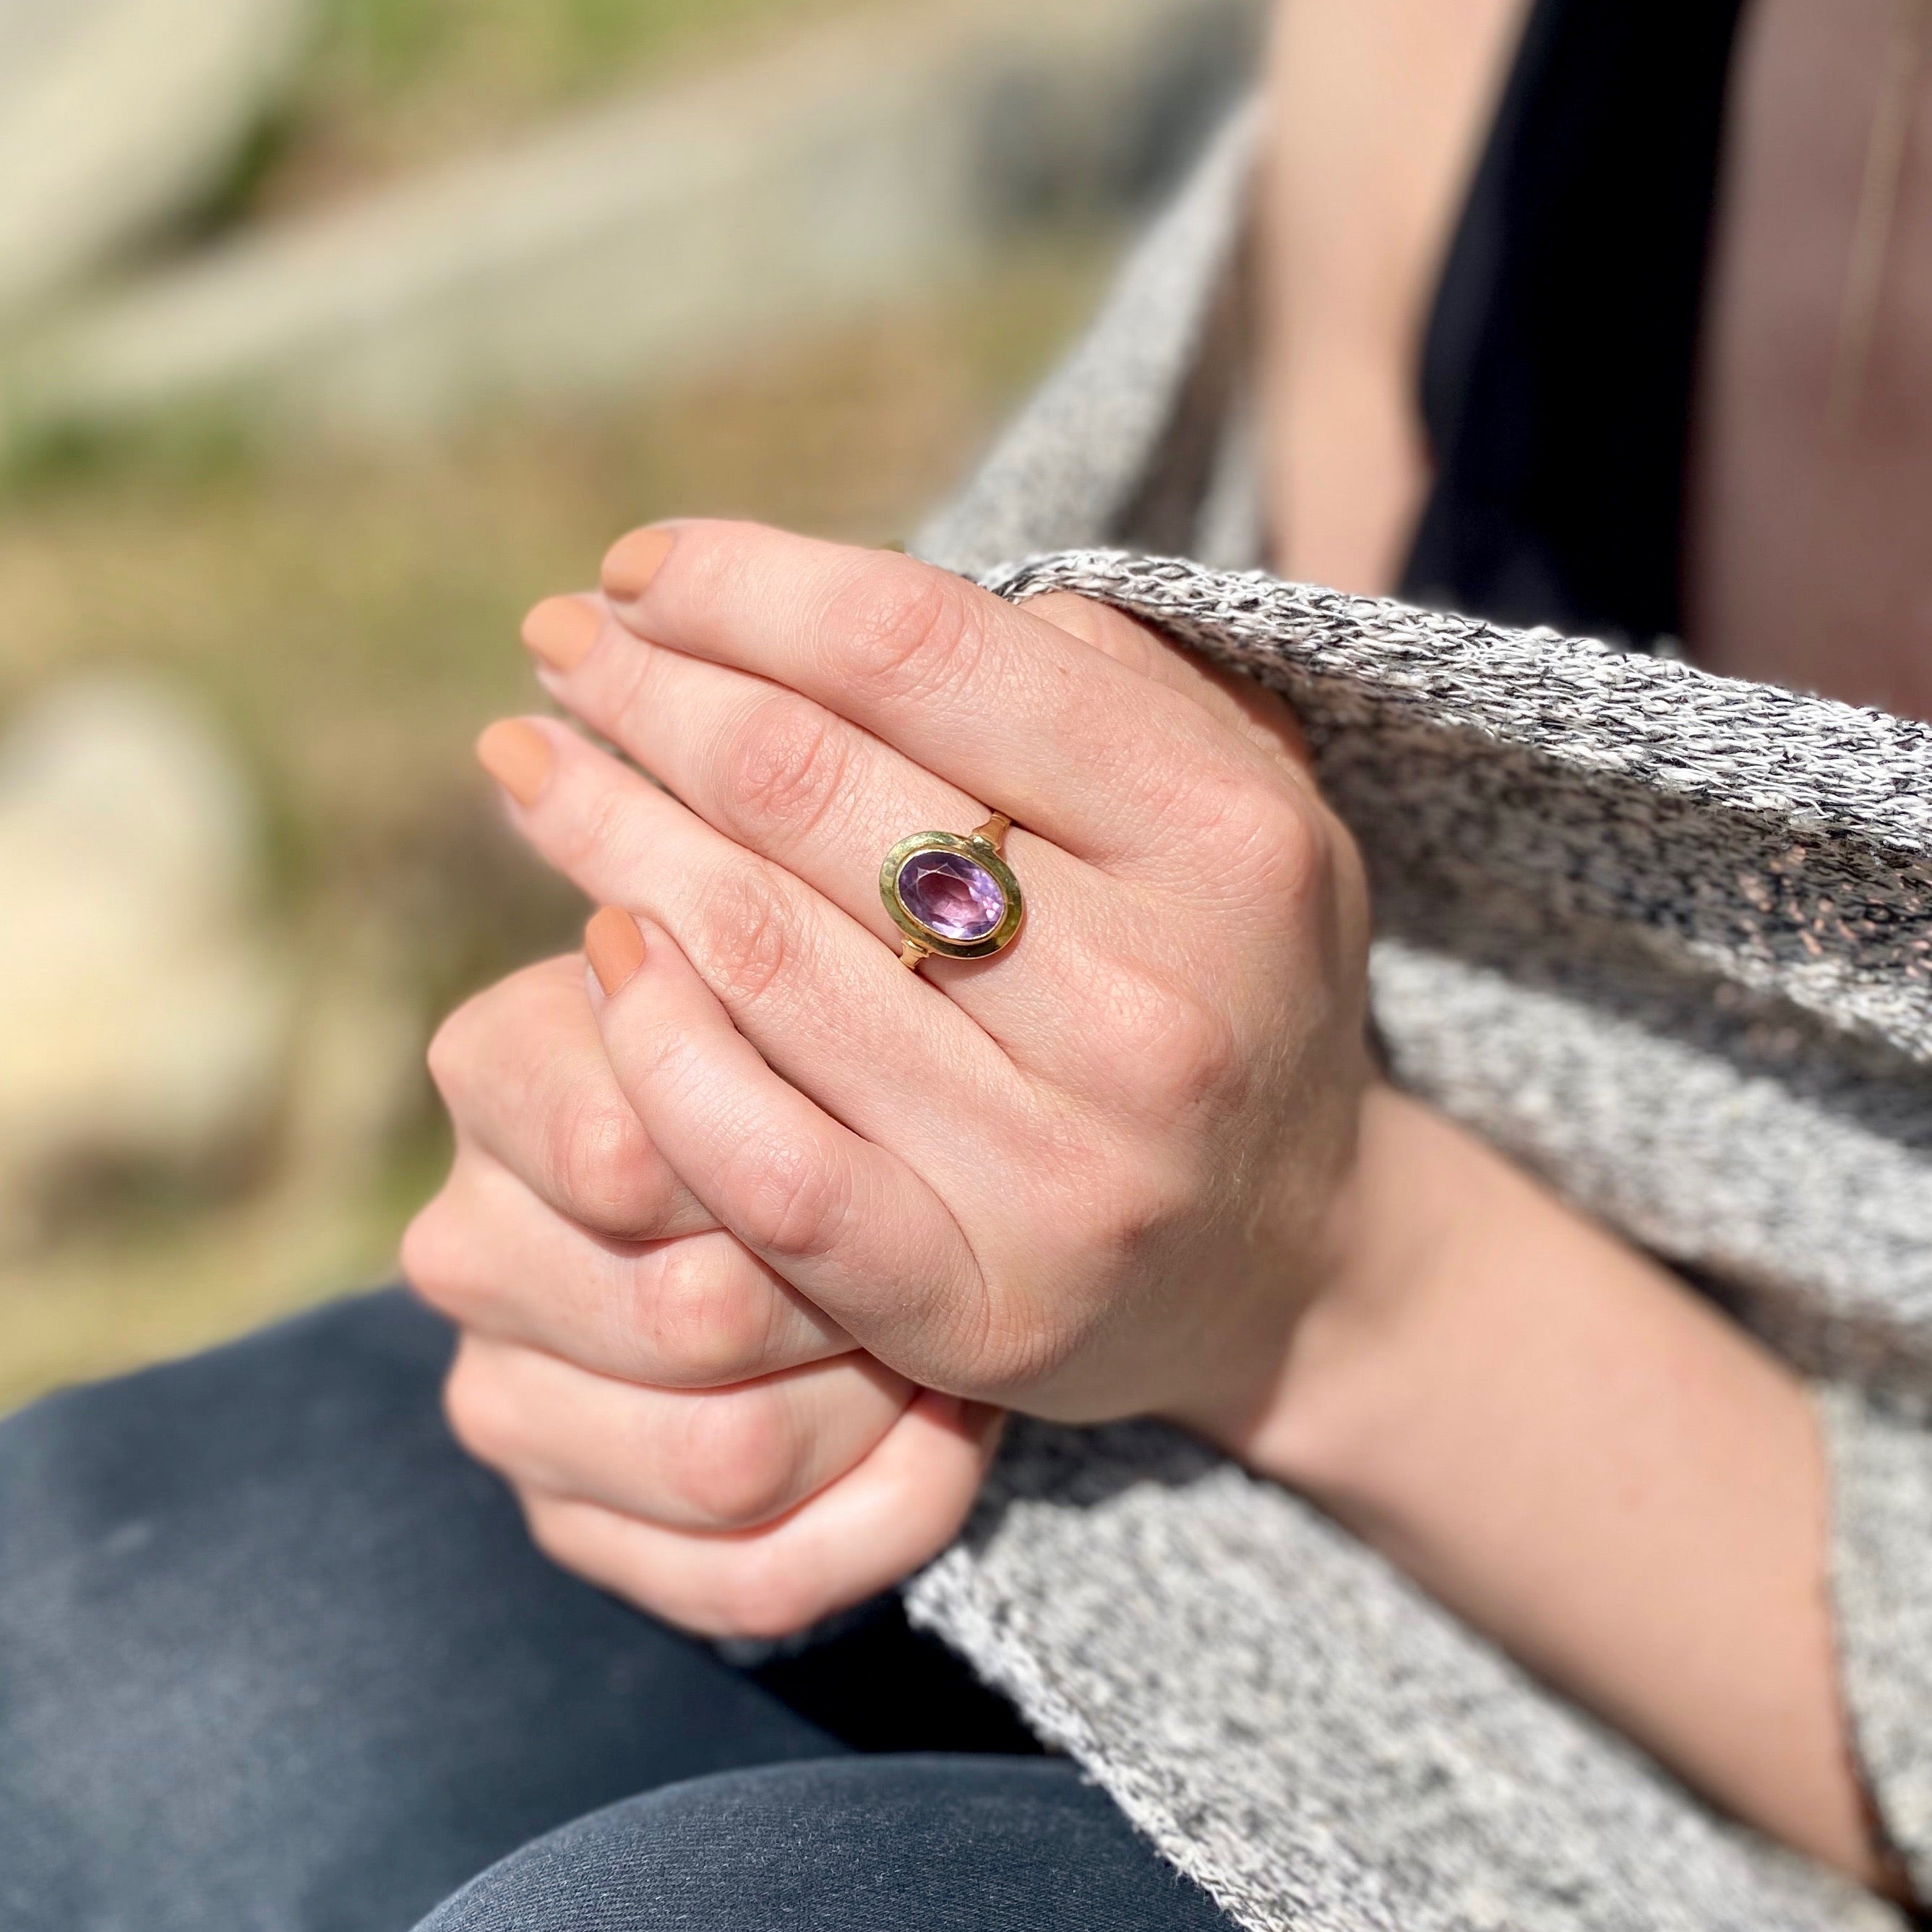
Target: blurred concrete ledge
x=879 y=157
x=115 y=113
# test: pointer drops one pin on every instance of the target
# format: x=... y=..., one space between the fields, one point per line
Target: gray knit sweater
x=1666 y=938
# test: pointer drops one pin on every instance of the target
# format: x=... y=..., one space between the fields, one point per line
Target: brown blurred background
x=333 y=333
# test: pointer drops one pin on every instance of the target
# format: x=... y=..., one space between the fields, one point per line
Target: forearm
x=1560 y=1442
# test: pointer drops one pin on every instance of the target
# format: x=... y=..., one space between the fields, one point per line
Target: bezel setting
x=981 y=852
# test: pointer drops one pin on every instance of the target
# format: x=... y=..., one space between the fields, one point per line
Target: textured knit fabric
x=1665 y=938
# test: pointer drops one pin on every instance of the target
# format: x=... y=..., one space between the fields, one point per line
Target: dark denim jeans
x=274 y=1657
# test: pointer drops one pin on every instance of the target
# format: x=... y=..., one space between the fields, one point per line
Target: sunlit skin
x=733 y=1200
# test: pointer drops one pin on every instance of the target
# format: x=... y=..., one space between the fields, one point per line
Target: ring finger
x=828 y=1008
x=783 y=777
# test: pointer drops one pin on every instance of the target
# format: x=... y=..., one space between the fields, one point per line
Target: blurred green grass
x=352 y=624
x=389 y=86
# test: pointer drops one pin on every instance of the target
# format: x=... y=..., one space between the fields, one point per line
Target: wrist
x=1403 y=1225
x=1556 y=1439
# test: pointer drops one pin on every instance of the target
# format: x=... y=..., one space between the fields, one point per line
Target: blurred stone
x=143 y=1019
x=355 y=1070
x=877 y=158
x=117 y=114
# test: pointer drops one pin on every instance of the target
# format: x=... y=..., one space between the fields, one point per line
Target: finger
x=782 y=776
x=697 y=1311
x=826 y=1003
x=687 y=1458
x=997 y=700
x=522 y=1069
x=896 y=1511
x=848 y=1224
x=1243 y=703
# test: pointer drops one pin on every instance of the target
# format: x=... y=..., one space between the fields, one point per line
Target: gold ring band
x=993 y=833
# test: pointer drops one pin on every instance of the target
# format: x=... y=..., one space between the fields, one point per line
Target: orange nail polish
x=518 y=756
x=614 y=946
x=633 y=561
x=561 y=630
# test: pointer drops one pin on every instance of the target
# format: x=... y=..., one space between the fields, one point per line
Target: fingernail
x=633 y=562
x=518 y=756
x=614 y=947
x=561 y=630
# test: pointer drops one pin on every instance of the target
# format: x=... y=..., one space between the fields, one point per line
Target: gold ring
x=952 y=898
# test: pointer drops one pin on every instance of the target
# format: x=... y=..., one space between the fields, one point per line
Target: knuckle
x=1113 y=1189
x=1278 y=849
x=578 y=1537
x=901 y=629
x=607 y=1175
x=785 y=764
x=763 y=1594
x=749 y=935
x=1105 y=629
x=1274 y=853
x=740 y=1458
x=432 y=1259
x=1132 y=1223
x=1178 y=1049
x=1193 y=1059
x=597 y=825
x=473 y=1406
x=1299 y=854
x=1164 y=1199
x=551 y=1527
x=1195 y=795
x=1022 y=1348
x=503 y=1026
x=707 y=1318
x=452 y=1045
x=787 y=1202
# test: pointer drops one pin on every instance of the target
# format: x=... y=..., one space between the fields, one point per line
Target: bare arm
x=1541 y=1425
x=1544 y=1428
x=1377 y=108
x=1559 y=1440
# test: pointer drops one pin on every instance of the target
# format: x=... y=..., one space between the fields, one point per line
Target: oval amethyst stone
x=951 y=895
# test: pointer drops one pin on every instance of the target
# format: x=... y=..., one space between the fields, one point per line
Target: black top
x=1558 y=365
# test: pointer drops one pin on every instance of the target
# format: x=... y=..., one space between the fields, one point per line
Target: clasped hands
x=752 y=1235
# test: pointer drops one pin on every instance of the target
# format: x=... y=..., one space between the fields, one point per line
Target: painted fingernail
x=518 y=756
x=561 y=630
x=633 y=561
x=614 y=947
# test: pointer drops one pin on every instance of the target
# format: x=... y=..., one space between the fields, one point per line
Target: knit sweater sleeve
x=1881 y=1468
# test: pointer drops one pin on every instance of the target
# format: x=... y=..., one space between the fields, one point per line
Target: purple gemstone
x=956 y=898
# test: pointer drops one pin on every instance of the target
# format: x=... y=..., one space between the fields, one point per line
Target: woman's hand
x=665 y=1406
x=1136 y=1163
x=1099 y=1175
x=680 y=1422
